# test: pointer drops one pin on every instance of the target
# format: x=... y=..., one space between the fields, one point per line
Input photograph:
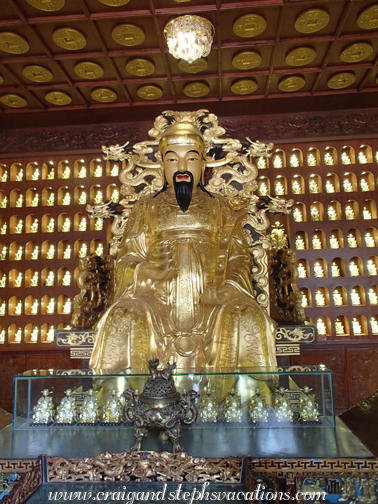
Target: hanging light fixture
x=189 y=37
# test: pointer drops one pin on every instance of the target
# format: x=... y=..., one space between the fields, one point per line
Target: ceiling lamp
x=189 y=37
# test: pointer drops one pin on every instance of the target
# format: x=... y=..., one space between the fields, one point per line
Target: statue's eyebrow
x=170 y=152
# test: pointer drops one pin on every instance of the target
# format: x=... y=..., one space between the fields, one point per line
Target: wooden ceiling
x=96 y=22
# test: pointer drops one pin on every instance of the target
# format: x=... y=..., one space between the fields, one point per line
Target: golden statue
x=183 y=266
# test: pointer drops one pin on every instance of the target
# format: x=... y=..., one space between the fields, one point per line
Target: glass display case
x=253 y=398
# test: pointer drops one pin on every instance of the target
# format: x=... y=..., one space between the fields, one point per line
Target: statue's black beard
x=183 y=190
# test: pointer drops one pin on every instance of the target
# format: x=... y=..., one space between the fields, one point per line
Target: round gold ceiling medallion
x=140 y=67
x=312 y=21
x=244 y=86
x=69 y=38
x=13 y=43
x=196 y=89
x=150 y=92
x=89 y=70
x=246 y=60
x=249 y=25
x=36 y=73
x=114 y=3
x=58 y=98
x=300 y=56
x=13 y=100
x=47 y=5
x=104 y=95
x=198 y=65
x=292 y=83
x=128 y=35
x=341 y=80
x=368 y=19
x=356 y=52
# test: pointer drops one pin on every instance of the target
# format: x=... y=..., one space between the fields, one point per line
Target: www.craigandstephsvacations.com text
x=193 y=495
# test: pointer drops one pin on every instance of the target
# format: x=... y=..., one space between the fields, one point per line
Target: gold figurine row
x=211 y=410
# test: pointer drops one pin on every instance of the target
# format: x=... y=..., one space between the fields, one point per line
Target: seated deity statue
x=44 y=410
x=184 y=289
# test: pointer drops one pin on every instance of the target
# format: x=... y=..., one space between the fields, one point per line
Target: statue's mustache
x=183 y=190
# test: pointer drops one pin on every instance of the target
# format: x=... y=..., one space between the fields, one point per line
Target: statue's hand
x=218 y=295
x=159 y=265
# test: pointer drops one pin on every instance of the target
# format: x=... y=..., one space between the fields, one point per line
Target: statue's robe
x=169 y=320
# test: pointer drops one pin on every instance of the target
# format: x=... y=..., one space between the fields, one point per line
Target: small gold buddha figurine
x=44 y=410
x=362 y=159
x=263 y=189
x=3 y=308
x=356 y=326
x=4 y=202
x=34 y=226
x=19 y=253
x=51 y=174
x=315 y=214
x=115 y=196
x=349 y=213
x=277 y=161
x=313 y=187
x=355 y=298
x=51 y=306
x=261 y=163
x=82 y=198
x=36 y=174
x=50 y=254
x=311 y=159
x=294 y=161
x=374 y=325
x=331 y=213
x=89 y=413
x=354 y=270
x=99 y=224
x=18 y=309
x=49 y=282
x=319 y=298
x=83 y=250
x=208 y=407
x=318 y=270
x=316 y=242
x=337 y=298
x=51 y=200
x=4 y=176
x=304 y=300
x=19 y=227
x=3 y=281
x=51 y=226
x=66 y=227
x=345 y=159
x=321 y=327
x=351 y=241
x=18 y=280
x=347 y=186
x=328 y=159
x=114 y=172
x=282 y=410
x=297 y=215
x=366 y=214
x=66 y=411
x=18 y=336
x=364 y=185
x=3 y=229
x=35 y=201
x=34 y=279
x=335 y=270
x=339 y=328
x=112 y=411
x=2 y=336
x=373 y=298
x=369 y=240
x=66 y=201
x=302 y=273
x=20 y=201
x=330 y=188
x=232 y=407
x=34 y=335
x=308 y=409
x=50 y=334
x=20 y=175
x=98 y=198
x=371 y=268
x=66 y=173
x=67 y=306
x=296 y=187
x=83 y=224
x=376 y=157
x=99 y=250
x=67 y=252
x=258 y=411
x=35 y=253
x=98 y=171
x=66 y=280
x=299 y=243
x=82 y=172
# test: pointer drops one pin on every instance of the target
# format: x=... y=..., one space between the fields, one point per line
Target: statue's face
x=182 y=158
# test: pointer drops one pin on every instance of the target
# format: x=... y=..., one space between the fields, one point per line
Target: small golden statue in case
x=112 y=411
x=66 y=411
x=44 y=410
x=282 y=407
x=308 y=407
x=208 y=407
x=258 y=410
x=89 y=412
x=233 y=410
